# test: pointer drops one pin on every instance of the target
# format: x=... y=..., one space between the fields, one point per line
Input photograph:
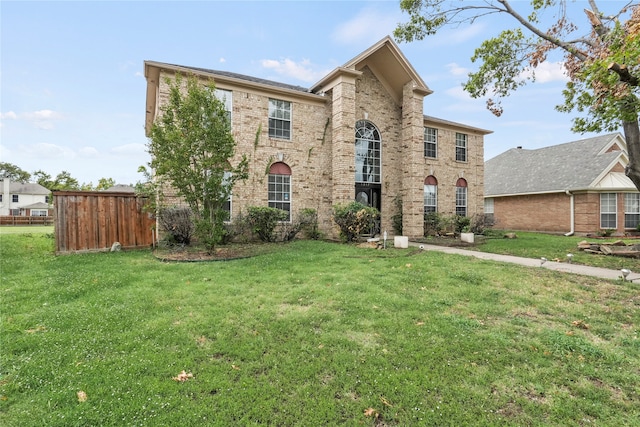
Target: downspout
x=571 y=210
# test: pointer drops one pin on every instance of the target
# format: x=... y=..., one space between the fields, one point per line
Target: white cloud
x=41 y=119
x=88 y=152
x=222 y=60
x=128 y=149
x=304 y=71
x=9 y=115
x=367 y=27
x=47 y=151
x=456 y=70
x=548 y=72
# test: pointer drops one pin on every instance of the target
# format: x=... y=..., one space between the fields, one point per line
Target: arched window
x=367 y=152
x=461 y=197
x=430 y=194
x=280 y=187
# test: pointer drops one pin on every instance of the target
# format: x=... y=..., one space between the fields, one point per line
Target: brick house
x=577 y=187
x=359 y=133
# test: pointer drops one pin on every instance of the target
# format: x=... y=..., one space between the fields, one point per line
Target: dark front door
x=368 y=194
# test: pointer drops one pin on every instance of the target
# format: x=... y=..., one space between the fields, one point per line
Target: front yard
x=314 y=333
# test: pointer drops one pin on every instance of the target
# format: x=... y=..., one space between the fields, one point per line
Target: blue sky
x=72 y=89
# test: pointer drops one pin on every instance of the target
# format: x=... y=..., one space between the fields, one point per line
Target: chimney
x=6 y=194
x=519 y=147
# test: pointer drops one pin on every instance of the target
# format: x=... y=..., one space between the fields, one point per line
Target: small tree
x=13 y=172
x=191 y=146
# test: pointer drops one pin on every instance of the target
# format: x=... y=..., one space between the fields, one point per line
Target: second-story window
x=430 y=142
x=279 y=119
x=226 y=96
x=461 y=147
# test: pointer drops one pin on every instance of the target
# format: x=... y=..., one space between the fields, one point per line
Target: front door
x=369 y=195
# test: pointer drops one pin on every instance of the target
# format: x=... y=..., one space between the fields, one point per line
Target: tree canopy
x=601 y=60
x=13 y=172
x=191 y=148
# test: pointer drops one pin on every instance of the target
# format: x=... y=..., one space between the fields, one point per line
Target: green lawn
x=315 y=334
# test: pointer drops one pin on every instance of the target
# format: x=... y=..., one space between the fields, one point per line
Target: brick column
x=343 y=138
x=413 y=162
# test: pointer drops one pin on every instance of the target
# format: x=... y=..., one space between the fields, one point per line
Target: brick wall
x=321 y=151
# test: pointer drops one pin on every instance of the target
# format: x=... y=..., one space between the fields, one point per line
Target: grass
x=313 y=334
x=537 y=245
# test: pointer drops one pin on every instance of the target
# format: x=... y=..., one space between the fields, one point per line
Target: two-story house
x=24 y=199
x=360 y=133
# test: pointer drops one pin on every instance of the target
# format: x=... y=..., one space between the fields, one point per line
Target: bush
x=461 y=223
x=307 y=220
x=432 y=224
x=480 y=222
x=263 y=221
x=396 y=219
x=177 y=222
x=355 y=219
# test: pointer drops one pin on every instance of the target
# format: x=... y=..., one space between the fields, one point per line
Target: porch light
x=625 y=272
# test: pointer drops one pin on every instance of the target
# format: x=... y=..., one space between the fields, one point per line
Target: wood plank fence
x=88 y=221
x=25 y=220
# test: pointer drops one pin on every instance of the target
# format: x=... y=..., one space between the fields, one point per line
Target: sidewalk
x=563 y=267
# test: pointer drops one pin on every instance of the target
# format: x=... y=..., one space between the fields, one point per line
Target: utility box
x=401 y=242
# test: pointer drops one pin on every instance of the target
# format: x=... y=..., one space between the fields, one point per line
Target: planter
x=466 y=237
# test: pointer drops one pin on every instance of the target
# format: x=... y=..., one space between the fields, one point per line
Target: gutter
x=572 y=210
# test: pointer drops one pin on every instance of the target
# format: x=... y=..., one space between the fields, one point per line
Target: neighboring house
x=121 y=188
x=577 y=187
x=24 y=199
x=360 y=133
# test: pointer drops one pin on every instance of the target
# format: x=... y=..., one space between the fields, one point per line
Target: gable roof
x=387 y=62
x=577 y=165
x=30 y=188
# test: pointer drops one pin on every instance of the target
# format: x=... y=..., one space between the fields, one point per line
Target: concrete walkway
x=563 y=267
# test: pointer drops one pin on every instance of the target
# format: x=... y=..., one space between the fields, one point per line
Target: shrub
x=177 y=222
x=306 y=219
x=354 y=219
x=461 y=223
x=264 y=220
x=396 y=218
x=480 y=222
x=432 y=224
x=309 y=219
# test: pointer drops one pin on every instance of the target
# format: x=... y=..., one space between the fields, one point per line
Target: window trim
x=430 y=181
x=631 y=208
x=462 y=144
x=368 y=127
x=434 y=142
x=613 y=213
x=280 y=169
x=226 y=97
x=273 y=107
x=461 y=184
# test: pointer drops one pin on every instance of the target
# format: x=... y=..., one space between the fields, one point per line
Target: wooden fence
x=88 y=221
x=25 y=220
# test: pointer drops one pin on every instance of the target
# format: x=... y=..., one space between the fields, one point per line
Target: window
x=488 y=206
x=0 y=198
x=280 y=188
x=461 y=197
x=14 y=198
x=631 y=210
x=226 y=96
x=46 y=199
x=430 y=194
x=608 y=210
x=461 y=147
x=279 y=119
x=39 y=212
x=367 y=152
x=430 y=142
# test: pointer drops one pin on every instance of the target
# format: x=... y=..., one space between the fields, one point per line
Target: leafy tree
x=13 y=172
x=191 y=145
x=62 y=181
x=601 y=61
x=105 y=183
